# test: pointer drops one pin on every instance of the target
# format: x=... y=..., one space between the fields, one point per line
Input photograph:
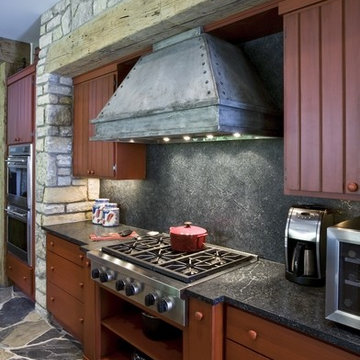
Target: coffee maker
x=305 y=244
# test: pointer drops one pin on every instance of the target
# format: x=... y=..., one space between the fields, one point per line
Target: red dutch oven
x=187 y=238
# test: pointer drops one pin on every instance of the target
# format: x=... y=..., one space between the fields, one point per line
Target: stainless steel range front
x=152 y=274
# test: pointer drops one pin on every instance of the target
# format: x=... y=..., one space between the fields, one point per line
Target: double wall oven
x=19 y=201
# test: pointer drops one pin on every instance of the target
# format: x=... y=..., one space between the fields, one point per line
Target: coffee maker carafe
x=305 y=244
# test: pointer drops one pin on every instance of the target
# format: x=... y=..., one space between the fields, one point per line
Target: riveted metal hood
x=191 y=85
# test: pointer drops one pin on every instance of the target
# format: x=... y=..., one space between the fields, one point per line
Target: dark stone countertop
x=78 y=233
x=260 y=288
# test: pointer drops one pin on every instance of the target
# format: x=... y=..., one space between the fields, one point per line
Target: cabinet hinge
x=114 y=168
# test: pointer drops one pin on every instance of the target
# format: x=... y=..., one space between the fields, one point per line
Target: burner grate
x=155 y=253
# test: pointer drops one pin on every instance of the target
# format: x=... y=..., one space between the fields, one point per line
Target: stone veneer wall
x=60 y=197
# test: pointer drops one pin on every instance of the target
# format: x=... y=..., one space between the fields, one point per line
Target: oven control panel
x=143 y=288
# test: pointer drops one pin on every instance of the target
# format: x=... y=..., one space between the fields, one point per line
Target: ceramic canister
x=111 y=216
x=97 y=210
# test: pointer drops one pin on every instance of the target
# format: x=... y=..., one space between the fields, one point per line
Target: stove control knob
x=120 y=285
x=95 y=273
x=150 y=299
x=132 y=288
x=106 y=276
x=165 y=304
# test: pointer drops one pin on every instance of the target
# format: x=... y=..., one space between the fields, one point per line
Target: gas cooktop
x=146 y=270
x=155 y=253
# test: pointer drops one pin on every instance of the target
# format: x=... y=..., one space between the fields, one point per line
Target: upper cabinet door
x=101 y=159
x=92 y=158
x=21 y=107
x=321 y=101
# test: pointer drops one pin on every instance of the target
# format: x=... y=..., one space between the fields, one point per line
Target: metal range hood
x=192 y=87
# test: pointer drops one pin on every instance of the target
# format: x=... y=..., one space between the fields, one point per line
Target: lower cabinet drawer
x=65 y=274
x=20 y=274
x=66 y=309
x=275 y=341
x=234 y=351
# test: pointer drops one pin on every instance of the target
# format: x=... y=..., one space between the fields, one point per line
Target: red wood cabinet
x=204 y=335
x=321 y=98
x=21 y=106
x=250 y=337
x=70 y=291
x=21 y=274
x=99 y=158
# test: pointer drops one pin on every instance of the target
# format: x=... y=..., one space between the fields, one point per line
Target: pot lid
x=188 y=229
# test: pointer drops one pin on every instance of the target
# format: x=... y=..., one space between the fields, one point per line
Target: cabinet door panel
x=292 y=102
x=66 y=309
x=275 y=341
x=21 y=110
x=234 y=351
x=310 y=99
x=65 y=249
x=332 y=97
x=101 y=153
x=81 y=130
x=21 y=274
x=352 y=98
x=66 y=275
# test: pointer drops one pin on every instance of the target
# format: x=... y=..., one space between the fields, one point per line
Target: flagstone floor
x=25 y=334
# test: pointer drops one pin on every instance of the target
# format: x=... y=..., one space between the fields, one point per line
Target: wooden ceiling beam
x=13 y=52
x=132 y=26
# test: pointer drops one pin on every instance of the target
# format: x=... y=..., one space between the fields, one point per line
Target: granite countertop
x=78 y=233
x=260 y=288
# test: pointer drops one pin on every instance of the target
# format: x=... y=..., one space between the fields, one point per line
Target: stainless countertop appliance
x=305 y=244
x=149 y=272
x=343 y=273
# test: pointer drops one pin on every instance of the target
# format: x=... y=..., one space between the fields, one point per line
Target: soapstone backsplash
x=233 y=189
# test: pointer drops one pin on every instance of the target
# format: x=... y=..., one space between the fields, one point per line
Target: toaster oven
x=343 y=273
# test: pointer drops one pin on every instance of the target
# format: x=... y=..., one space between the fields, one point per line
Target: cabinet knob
x=10 y=267
x=198 y=315
x=81 y=257
x=353 y=187
x=87 y=263
x=88 y=172
x=81 y=320
x=51 y=243
x=92 y=172
x=52 y=268
x=52 y=299
x=24 y=277
x=252 y=334
x=81 y=284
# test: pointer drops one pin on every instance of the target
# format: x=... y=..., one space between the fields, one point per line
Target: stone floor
x=25 y=334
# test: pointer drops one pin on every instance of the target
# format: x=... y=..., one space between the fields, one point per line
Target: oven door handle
x=15 y=213
x=16 y=161
x=19 y=164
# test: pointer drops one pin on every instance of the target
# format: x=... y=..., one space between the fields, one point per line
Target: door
x=21 y=104
x=92 y=158
x=321 y=115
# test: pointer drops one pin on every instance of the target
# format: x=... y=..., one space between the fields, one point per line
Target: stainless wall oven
x=19 y=201
x=19 y=175
x=19 y=233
